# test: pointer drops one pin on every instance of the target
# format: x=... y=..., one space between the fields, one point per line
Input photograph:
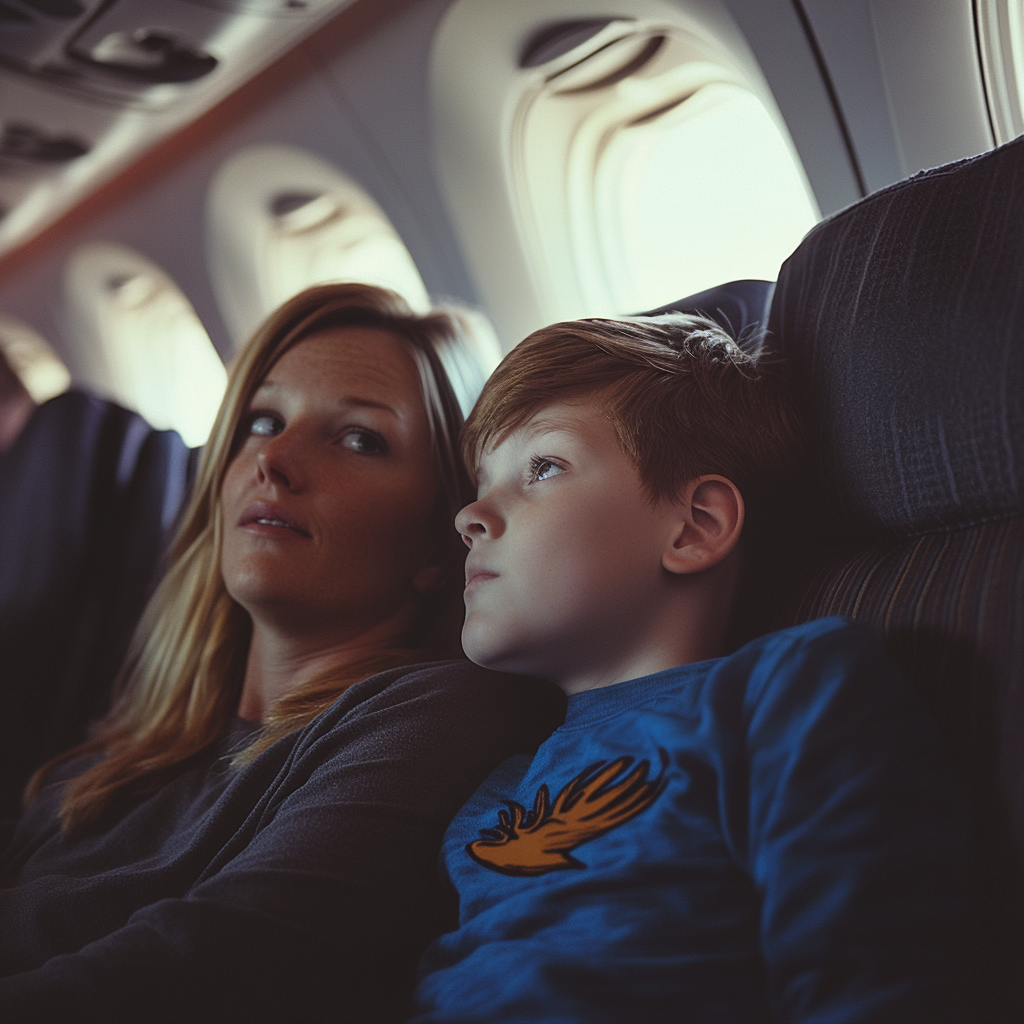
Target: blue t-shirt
x=775 y=835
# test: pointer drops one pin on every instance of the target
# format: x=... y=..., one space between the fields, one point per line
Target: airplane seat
x=88 y=494
x=902 y=321
x=740 y=307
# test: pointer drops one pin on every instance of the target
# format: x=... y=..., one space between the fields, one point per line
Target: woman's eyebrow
x=348 y=401
x=353 y=400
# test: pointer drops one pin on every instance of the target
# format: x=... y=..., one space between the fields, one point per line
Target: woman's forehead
x=358 y=364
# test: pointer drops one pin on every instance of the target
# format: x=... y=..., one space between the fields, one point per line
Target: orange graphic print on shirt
x=596 y=801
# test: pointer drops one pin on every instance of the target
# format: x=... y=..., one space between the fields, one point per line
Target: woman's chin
x=258 y=573
x=264 y=594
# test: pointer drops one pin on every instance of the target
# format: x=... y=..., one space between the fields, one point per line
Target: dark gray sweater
x=302 y=887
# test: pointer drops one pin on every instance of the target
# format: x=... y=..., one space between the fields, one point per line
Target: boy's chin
x=487 y=653
x=481 y=655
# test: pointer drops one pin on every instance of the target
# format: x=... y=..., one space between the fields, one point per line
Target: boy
x=771 y=835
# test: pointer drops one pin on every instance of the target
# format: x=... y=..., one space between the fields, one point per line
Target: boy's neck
x=636 y=667
x=679 y=633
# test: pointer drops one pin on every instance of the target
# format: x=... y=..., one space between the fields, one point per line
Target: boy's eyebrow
x=534 y=428
x=556 y=424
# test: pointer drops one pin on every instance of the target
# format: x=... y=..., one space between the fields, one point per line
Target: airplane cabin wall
x=908 y=81
x=872 y=90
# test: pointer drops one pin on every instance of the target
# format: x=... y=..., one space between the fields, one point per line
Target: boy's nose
x=470 y=522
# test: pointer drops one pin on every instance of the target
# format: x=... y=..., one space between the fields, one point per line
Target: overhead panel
x=46 y=137
x=86 y=85
x=134 y=50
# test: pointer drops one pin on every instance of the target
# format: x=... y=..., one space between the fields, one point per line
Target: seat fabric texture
x=88 y=494
x=902 y=321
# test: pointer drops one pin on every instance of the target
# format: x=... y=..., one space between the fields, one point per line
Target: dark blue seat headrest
x=903 y=319
x=740 y=307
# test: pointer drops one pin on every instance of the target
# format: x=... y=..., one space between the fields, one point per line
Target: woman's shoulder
x=460 y=674
x=454 y=698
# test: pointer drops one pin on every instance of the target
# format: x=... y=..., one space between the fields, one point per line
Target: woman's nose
x=477 y=521
x=278 y=463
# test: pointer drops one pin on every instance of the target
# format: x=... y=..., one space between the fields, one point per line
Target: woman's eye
x=364 y=442
x=264 y=424
x=543 y=469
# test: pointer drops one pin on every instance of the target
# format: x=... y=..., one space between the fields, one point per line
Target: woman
x=253 y=831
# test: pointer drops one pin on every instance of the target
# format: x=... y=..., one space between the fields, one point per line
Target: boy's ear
x=709 y=525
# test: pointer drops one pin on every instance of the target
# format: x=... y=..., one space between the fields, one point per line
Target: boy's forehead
x=583 y=419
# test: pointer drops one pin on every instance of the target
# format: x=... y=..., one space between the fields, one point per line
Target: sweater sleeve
x=858 y=838
x=318 y=907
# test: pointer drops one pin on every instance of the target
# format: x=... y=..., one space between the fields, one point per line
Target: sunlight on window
x=648 y=163
x=158 y=356
x=33 y=361
x=706 y=193
x=280 y=220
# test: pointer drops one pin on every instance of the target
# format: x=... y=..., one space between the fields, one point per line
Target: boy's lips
x=478 y=574
x=264 y=515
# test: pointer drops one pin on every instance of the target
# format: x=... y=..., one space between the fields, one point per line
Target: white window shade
x=157 y=356
x=1000 y=28
x=281 y=220
x=651 y=170
x=604 y=160
x=346 y=247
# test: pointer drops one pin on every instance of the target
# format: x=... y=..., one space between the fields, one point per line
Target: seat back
x=88 y=494
x=740 y=307
x=902 y=319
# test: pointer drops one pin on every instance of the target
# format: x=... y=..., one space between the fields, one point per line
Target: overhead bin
x=46 y=138
x=88 y=85
x=120 y=53
x=144 y=52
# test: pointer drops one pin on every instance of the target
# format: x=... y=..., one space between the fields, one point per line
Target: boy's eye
x=543 y=469
x=364 y=442
x=265 y=424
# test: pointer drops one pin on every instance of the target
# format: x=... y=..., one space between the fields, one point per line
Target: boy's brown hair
x=684 y=400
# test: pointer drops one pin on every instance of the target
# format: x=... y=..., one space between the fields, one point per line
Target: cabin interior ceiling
x=872 y=91
x=106 y=79
x=358 y=103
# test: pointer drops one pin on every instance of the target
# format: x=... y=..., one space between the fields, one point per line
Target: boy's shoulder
x=805 y=658
x=832 y=632
x=830 y=677
x=821 y=647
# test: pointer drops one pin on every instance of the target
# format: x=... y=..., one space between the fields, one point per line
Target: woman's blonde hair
x=183 y=673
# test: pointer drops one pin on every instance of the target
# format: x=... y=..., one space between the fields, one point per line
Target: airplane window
x=658 y=171
x=33 y=361
x=1000 y=29
x=281 y=219
x=707 y=192
x=607 y=165
x=151 y=352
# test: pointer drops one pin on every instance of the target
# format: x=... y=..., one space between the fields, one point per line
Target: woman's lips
x=264 y=517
